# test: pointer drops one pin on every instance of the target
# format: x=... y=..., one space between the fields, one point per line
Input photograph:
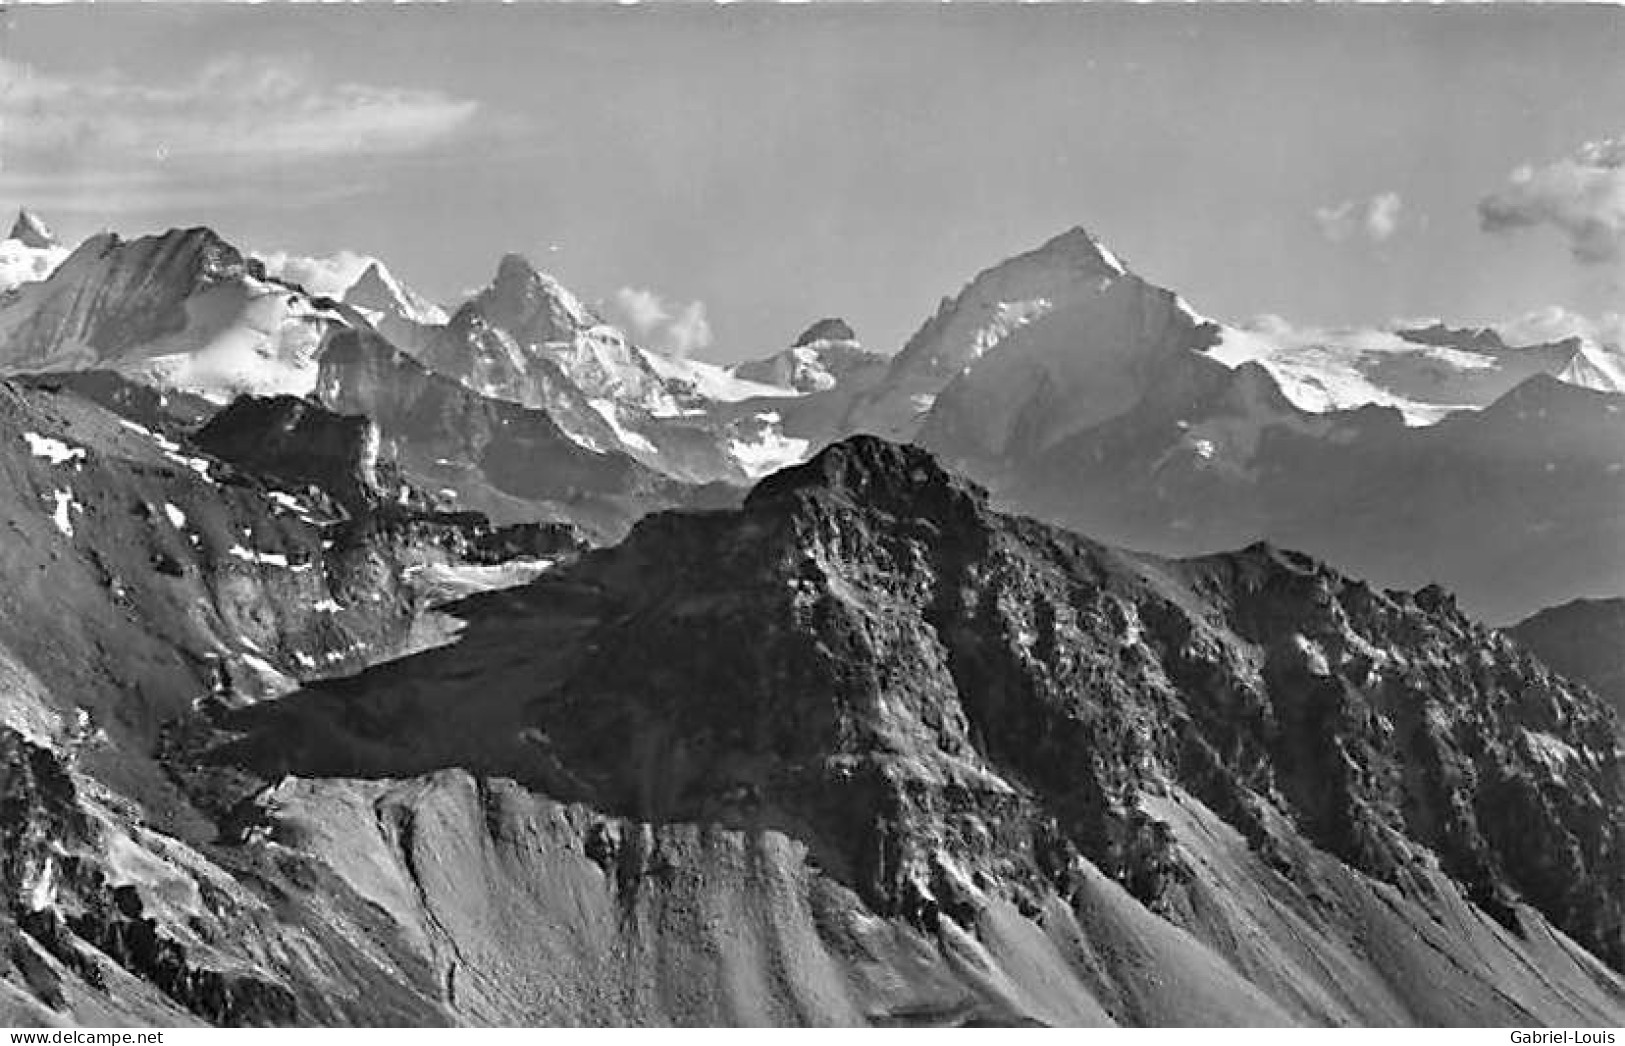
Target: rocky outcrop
x=958 y=712
x=1585 y=640
x=62 y=888
x=916 y=675
x=303 y=444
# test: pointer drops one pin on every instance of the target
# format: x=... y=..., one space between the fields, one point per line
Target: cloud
x=1555 y=323
x=676 y=330
x=115 y=144
x=328 y=276
x=1375 y=219
x=1582 y=196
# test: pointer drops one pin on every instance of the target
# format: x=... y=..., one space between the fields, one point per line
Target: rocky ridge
x=980 y=731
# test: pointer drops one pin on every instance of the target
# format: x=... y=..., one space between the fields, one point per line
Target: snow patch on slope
x=63 y=507
x=248 y=555
x=761 y=447
x=608 y=411
x=53 y=450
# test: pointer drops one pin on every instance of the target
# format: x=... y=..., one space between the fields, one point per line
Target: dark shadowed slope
x=1516 y=506
x=867 y=750
x=1585 y=640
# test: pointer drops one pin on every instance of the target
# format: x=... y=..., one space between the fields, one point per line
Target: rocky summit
x=929 y=763
x=419 y=666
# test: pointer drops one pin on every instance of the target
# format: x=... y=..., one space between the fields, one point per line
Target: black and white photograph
x=901 y=516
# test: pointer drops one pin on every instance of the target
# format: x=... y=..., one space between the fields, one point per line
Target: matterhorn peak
x=517 y=277
x=31 y=231
x=522 y=297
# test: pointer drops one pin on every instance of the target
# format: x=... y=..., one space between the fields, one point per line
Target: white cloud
x=670 y=328
x=115 y=144
x=638 y=310
x=1582 y=196
x=234 y=109
x=1376 y=218
x=328 y=276
x=1554 y=323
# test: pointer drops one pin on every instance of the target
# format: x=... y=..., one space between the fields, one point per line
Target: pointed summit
x=1082 y=322
x=372 y=283
x=377 y=289
x=31 y=231
x=531 y=305
x=1082 y=247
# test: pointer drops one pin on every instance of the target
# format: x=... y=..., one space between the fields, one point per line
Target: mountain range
x=1088 y=661
x=1070 y=386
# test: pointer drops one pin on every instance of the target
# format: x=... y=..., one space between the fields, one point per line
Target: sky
x=720 y=177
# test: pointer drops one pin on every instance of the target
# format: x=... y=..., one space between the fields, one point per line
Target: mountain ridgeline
x=475 y=665
x=866 y=719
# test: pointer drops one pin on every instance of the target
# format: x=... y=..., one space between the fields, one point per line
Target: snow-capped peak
x=1425 y=371
x=377 y=290
x=823 y=356
x=182 y=309
x=32 y=232
x=1068 y=275
x=1595 y=367
x=30 y=253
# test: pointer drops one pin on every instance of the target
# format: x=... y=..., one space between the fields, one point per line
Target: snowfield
x=712 y=382
x=1323 y=370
